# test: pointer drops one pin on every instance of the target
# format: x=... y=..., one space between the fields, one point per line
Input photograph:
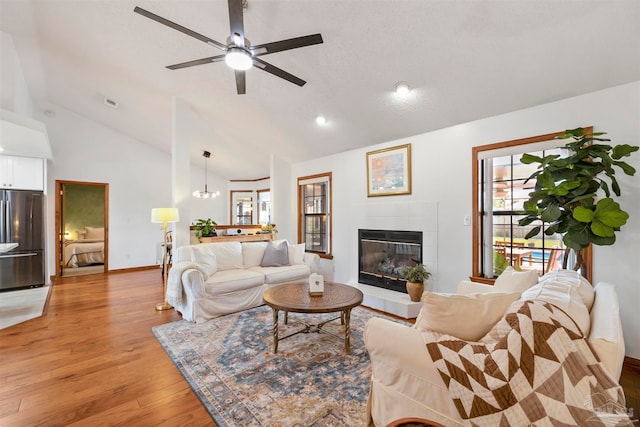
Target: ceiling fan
x=239 y=54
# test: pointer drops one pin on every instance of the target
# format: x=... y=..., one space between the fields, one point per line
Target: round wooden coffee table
x=294 y=297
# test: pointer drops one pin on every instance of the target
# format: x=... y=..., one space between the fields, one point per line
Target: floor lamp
x=164 y=216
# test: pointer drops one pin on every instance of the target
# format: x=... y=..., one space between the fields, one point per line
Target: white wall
x=14 y=95
x=139 y=178
x=441 y=195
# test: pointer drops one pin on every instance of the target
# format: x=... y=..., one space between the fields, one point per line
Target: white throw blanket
x=174 y=280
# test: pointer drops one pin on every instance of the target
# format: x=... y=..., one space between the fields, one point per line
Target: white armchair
x=406 y=384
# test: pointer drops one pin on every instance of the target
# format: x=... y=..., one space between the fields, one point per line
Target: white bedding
x=78 y=253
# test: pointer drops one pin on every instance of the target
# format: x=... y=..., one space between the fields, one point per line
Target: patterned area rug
x=229 y=363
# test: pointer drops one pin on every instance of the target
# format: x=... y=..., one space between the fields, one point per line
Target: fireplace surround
x=383 y=253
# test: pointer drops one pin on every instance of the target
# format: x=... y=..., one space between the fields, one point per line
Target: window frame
x=259 y=193
x=477 y=267
x=234 y=195
x=302 y=181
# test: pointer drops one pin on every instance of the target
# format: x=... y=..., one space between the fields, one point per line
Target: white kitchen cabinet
x=21 y=173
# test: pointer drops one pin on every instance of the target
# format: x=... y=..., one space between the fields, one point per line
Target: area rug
x=229 y=363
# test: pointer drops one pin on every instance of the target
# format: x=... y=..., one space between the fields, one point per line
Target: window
x=500 y=190
x=314 y=207
x=241 y=207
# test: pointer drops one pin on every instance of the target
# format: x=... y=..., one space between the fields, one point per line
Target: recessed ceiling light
x=402 y=88
x=321 y=120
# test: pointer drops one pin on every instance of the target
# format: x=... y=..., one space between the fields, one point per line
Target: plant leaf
x=609 y=213
x=623 y=150
x=551 y=213
x=527 y=159
x=583 y=214
x=533 y=232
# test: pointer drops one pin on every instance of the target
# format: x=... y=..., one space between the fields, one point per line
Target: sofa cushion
x=233 y=280
x=515 y=281
x=296 y=253
x=252 y=253
x=573 y=278
x=468 y=317
x=606 y=335
x=276 y=254
x=228 y=254
x=206 y=259
x=564 y=295
x=283 y=274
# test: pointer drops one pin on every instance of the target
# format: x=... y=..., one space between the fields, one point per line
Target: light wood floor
x=92 y=360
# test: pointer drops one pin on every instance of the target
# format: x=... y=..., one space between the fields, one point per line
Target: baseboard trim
x=631 y=362
x=133 y=269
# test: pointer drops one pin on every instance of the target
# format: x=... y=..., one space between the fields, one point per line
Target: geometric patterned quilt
x=533 y=368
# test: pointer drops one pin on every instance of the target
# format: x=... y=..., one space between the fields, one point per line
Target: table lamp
x=164 y=216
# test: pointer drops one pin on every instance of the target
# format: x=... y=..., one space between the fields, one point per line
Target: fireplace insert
x=382 y=254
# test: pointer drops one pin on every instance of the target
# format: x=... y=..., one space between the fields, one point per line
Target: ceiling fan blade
x=196 y=62
x=236 y=22
x=179 y=27
x=294 y=43
x=265 y=66
x=240 y=82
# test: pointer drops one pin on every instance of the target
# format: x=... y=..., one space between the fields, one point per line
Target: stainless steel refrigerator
x=22 y=222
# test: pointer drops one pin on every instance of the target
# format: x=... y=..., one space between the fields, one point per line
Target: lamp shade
x=164 y=215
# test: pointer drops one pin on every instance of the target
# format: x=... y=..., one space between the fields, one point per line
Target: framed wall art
x=389 y=171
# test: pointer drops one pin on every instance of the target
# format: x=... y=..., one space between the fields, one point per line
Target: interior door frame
x=59 y=231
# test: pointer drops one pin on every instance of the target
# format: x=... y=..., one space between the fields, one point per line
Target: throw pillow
x=296 y=254
x=515 y=281
x=468 y=317
x=205 y=258
x=276 y=254
x=587 y=294
x=563 y=295
x=94 y=233
x=252 y=253
x=228 y=254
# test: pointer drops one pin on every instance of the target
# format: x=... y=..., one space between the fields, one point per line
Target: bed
x=80 y=253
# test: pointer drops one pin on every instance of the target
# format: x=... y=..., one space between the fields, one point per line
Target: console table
x=238 y=238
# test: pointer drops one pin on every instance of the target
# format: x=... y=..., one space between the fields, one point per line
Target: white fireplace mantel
x=393 y=302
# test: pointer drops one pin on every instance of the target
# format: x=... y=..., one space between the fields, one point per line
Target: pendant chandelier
x=206 y=194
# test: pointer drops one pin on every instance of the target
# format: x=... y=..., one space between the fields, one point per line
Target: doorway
x=82 y=227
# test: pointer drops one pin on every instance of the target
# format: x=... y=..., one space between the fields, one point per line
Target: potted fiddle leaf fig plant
x=205 y=227
x=415 y=277
x=568 y=190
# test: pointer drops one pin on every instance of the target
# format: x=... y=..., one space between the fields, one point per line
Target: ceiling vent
x=110 y=102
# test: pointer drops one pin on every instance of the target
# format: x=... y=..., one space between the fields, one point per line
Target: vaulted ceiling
x=465 y=60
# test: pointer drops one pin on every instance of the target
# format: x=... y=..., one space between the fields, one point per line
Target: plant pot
x=415 y=291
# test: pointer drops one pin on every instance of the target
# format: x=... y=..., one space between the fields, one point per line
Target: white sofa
x=406 y=384
x=226 y=277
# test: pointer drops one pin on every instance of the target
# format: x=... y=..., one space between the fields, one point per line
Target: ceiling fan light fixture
x=238 y=59
x=402 y=88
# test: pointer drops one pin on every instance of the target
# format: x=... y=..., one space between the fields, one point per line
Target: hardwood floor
x=92 y=360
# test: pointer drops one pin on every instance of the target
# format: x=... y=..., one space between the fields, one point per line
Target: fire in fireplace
x=383 y=253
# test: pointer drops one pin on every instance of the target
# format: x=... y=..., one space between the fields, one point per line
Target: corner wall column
x=180 y=167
